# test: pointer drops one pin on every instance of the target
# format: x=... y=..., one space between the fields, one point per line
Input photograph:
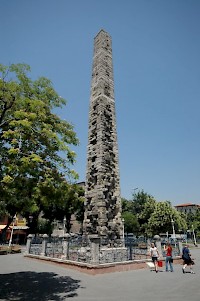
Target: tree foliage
x=161 y=219
x=35 y=154
x=131 y=224
x=139 y=201
x=193 y=222
x=152 y=217
x=69 y=202
x=145 y=215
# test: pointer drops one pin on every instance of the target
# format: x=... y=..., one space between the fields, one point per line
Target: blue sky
x=156 y=48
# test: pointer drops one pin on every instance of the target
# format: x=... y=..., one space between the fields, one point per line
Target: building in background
x=20 y=229
x=187 y=208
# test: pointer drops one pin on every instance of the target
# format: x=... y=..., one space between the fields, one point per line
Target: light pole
x=134 y=189
x=174 y=234
x=11 y=235
x=195 y=242
x=187 y=235
x=123 y=229
x=64 y=224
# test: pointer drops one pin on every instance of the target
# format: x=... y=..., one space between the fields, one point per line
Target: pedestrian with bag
x=154 y=256
x=169 y=258
x=187 y=260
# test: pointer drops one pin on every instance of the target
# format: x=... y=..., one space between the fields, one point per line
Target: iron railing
x=79 y=249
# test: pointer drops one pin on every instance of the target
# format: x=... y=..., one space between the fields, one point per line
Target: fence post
x=28 y=244
x=44 y=244
x=95 y=243
x=66 y=239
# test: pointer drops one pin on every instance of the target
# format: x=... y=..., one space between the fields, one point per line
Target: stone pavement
x=25 y=279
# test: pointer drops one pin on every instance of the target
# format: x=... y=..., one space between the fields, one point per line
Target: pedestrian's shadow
x=24 y=286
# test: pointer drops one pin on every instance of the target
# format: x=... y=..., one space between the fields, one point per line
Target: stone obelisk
x=102 y=188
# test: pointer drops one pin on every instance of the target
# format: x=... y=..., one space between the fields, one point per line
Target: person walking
x=187 y=261
x=154 y=256
x=169 y=258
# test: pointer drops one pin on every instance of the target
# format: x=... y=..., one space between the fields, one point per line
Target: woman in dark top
x=186 y=256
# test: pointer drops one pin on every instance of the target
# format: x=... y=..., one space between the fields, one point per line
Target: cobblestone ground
x=24 y=279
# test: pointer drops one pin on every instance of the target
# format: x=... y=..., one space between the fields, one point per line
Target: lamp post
x=187 y=235
x=64 y=224
x=195 y=242
x=174 y=234
x=134 y=189
x=11 y=235
x=123 y=229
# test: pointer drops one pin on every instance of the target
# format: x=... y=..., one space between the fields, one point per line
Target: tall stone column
x=102 y=190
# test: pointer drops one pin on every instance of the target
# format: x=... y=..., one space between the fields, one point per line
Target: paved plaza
x=24 y=279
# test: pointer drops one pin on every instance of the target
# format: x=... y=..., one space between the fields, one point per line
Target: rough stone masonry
x=102 y=188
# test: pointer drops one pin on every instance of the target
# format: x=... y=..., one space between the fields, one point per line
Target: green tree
x=34 y=142
x=80 y=209
x=194 y=222
x=160 y=220
x=140 y=209
x=143 y=205
x=69 y=201
x=131 y=224
x=139 y=200
x=153 y=217
x=145 y=214
x=191 y=218
x=127 y=205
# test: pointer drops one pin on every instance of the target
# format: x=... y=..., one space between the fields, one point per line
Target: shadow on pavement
x=34 y=286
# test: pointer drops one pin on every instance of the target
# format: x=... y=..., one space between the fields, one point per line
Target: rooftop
x=187 y=205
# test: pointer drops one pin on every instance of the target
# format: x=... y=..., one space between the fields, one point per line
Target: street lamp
x=11 y=235
x=195 y=242
x=134 y=189
x=123 y=229
x=64 y=224
x=174 y=234
x=187 y=233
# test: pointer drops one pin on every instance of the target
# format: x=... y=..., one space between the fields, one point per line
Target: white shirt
x=154 y=252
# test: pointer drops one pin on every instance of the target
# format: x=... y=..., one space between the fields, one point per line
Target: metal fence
x=54 y=247
x=81 y=249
